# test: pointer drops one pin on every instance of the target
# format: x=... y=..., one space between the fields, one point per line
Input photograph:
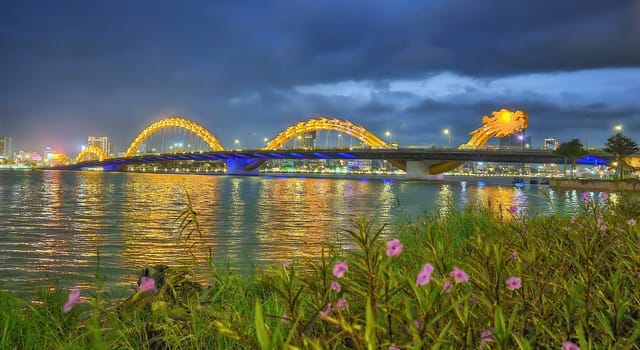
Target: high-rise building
x=551 y=144
x=6 y=149
x=309 y=140
x=101 y=142
x=516 y=141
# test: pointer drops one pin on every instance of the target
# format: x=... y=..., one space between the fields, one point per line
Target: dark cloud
x=75 y=68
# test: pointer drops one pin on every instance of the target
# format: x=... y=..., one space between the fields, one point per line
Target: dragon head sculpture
x=502 y=123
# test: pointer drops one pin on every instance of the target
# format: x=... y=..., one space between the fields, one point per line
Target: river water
x=55 y=226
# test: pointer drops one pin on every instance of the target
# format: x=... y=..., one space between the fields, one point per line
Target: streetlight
x=388 y=133
x=618 y=127
x=446 y=132
x=237 y=142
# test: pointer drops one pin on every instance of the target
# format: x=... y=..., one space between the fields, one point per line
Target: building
x=101 y=142
x=309 y=140
x=551 y=144
x=515 y=142
x=6 y=151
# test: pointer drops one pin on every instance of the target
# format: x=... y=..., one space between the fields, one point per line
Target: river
x=55 y=225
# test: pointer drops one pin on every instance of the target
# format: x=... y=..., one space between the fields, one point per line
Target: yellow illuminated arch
x=91 y=150
x=170 y=122
x=322 y=123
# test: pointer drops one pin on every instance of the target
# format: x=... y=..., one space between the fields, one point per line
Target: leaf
x=261 y=330
x=370 y=331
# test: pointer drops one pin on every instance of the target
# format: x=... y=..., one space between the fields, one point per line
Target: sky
x=249 y=69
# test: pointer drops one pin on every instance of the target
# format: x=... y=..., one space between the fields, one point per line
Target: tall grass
x=464 y=279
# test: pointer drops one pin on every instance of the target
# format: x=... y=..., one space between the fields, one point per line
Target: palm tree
x=572 y=150
x=620 y=146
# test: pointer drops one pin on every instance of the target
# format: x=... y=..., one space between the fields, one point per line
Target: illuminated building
x=101 y=142
x=5 y=147
x=551 y=144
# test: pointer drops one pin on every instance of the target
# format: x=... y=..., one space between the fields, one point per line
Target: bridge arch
x=174 y=121
x=323 y=123
x=91 y=150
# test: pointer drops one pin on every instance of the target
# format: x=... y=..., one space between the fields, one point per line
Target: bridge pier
x=236 y=166
x=419 y=170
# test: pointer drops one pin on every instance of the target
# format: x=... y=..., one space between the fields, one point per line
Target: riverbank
x=470 y=278
x=597 y=185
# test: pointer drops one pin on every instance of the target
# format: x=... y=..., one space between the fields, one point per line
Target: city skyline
x=249 y=70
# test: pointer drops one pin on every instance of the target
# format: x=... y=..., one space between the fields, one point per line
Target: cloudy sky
x=244 y=68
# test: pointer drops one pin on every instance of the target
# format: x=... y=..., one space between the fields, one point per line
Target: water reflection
x=55 y=225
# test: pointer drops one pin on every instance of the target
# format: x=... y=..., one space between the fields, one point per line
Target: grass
x=580 y=283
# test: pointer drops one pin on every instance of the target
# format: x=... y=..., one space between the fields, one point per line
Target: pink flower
x=585 y=196
x=573 y=219
x=148 y=284
x=486 y=336
x=514 y=283
x=74 y=298
x=418 y=324
x=600 y=222
x=325 y=314
x=341 y=304
x=285 y=318
x=513 y=256
x=446 y=286
x=631 y=222
x=286 y=264
x=513 y=209
x=424 y=276
x=604 y=196
x=340 y=268
x=336 y=286
x=569 y=346
x=394 y=248
x=459 y=275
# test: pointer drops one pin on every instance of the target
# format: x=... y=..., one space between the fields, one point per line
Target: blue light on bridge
x=591 y=160
x=320 y=155
x=346 y=155
x=276 y=155
x=297 y=155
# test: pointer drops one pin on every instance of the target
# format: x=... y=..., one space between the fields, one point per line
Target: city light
x=618 y=127
x=448 y=133
x=388 y=134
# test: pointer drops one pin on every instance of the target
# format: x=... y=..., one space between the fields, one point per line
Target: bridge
x=417 y=162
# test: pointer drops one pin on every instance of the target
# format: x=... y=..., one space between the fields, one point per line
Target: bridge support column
x=236 y=166
x=419 y=170
x=114 y=167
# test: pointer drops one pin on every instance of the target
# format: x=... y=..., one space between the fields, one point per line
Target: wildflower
x=513 y=209
x=573 y=219
x=513 y=256
x=486 y=336
x=425 y=275
x=340 y=268
x=336 y=286
x=446 y=286
x=603 y=227
x=394 y=248
x=325 y=314
x=148 y=284
x=514 y=283
x=604 y=196
x=569 y=346
x=631 y=222
x=585 y=196
x=341 y=304
x=600 y=222
x=286 y=264
x=418 y=324
x=459 y=275
x=285 y=318
x=74 y=298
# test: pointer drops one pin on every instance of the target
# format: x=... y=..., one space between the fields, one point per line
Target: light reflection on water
x=55 y=225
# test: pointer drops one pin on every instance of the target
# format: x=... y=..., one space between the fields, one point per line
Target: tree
x=620 y=146
x=572 y=150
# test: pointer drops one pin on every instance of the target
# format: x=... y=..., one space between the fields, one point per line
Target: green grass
x=580 y=283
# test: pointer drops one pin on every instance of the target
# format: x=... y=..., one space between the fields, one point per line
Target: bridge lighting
x=388 y=134
x=448 y=133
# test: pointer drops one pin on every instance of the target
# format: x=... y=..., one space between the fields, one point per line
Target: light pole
x=587 y=140
x=237 y=142
x=388 y=134
x=618 y=127
x=448 y=133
